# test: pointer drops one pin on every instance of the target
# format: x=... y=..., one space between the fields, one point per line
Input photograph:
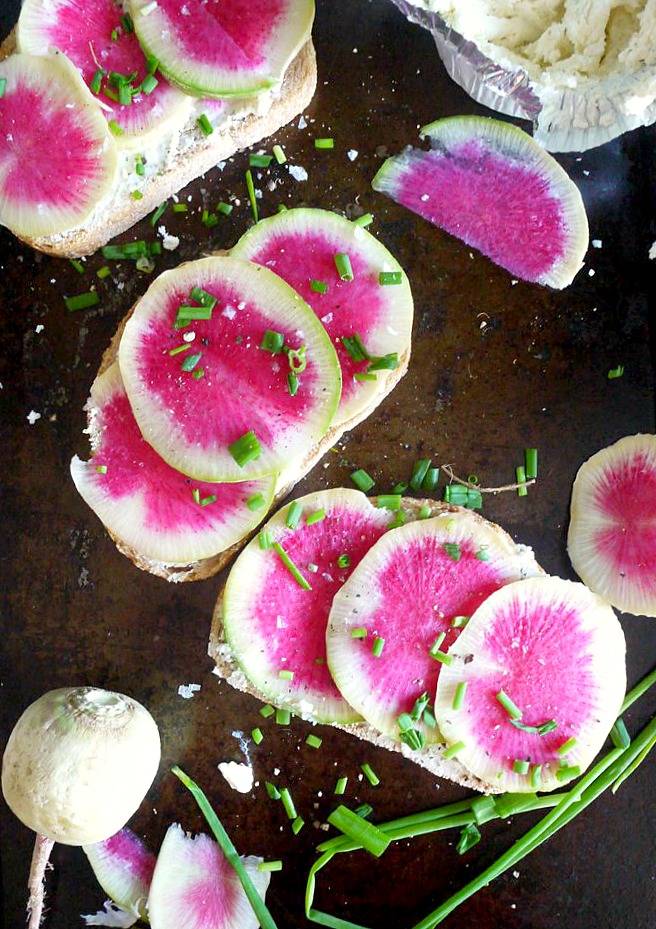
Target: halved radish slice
x=612 y=532
x=147 y=506
x=194 y=886
x=57 y=157
x=124 y=867
x=93 y=35
x=408 y=597
x=300 y=245
x=491 y=185
x=217 y=49
x=275 y=627
x=220 y=407
x=544 y=669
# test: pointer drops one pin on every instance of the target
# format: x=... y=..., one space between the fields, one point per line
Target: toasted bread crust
x=296 y=92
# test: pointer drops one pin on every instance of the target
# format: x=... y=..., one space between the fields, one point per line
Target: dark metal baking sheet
x=497 y=366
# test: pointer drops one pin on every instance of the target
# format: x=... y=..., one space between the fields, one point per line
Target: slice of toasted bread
x=192 y=154
x=431 y=757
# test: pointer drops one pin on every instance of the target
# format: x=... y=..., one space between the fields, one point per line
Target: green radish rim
x=215 y=75
x=238 y=420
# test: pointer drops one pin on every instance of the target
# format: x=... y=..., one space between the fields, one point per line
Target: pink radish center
x=127 y=853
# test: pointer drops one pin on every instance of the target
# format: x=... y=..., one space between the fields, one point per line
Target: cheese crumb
x=238 y=775
x=188 y=690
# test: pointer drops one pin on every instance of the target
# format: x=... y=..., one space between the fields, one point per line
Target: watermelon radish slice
x=194 y=886
x=491 y=185
x=274 y=627
x=556 y=650
x=56 y=165
x=409 y=594
x=91 y=35
x=300 y=245
x=145 y=504
x=612 y=532
x=220 y=408
x=217 y=49
x=124 y=868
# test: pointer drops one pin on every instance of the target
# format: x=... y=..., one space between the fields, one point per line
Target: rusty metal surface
x=497 y=366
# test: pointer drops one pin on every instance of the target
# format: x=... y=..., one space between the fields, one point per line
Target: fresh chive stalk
x=459 y=696
x=370 y=774
x=369 y=836
x=470 y=836
x=250 y=187
x=511 y=708
x=291 y=567
x=288 y=803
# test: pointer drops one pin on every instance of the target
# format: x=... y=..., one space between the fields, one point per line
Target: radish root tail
x=36 y=882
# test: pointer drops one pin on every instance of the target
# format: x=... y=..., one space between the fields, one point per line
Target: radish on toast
x=152 y=511
x=300 y=245
x=217 y=49
x=540 y=670
x=490 y=184
x=41 y=194
x=412 y=593
x=222 y=407
x=612 y=532
x=93 y=36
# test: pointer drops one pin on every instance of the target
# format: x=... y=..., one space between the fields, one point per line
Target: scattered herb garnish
x=204 y=125
x=362 y=480
x=343 y=265
x=246 y=448
x=82 y=301
x=385 y=278
x=291 y=567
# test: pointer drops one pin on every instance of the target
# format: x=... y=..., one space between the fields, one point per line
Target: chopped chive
x=364 y=376
x=265 y=539
x=79 y=267
x=191 y=361
x=442 y=657
x=420 y=707
x=272 y=342
x=567 y=747
x=212 y=498
x=520 y=477
x=521 y=766
x=388 y=362
x=139 y=166
x=340 y=786
x=615 y=372
x=291 y=567
x=204 y=125
x=482 y=554
x=286 y=675
x=319 y=287
x=619 y=734
x=128 y=25
x=259 y=161
x=355 y=347
x=96 y=81
x=389 y=501
x=413 y=738
x=152 y=64
x=255 y=502
x=452 y=550
x=113 y=35
x=531 y=463
x=114 y=127
x=198 y=373
x=364 y=810
x=179 y=207
x=125 y=94
x=344 y=561
x=196 y=495
x=425 y=511
x=324 y=143
x=267 y=711
x=469 y=836
x=279 y=154
x=101 y=469
x=315 y=517
x=359 y=632
x=294 y=514
x=453 y=750
x=250 y=187
x=292 y=383
x=385 y=278
x=297 y=825
x=262 y=914
x=148 y=84
x=368 y=836
x=542 y=729
x=246 y=448
x=536 y=776
x=459 y=696
x=419 y=472
x=187 y=313
x=224 y=208
x=362 y=480
x=288 y=803
x=436 y=644
x=429 y=483
x=459 y=622
x=484 y=810
x=296 y=359
x=203 y=297
x=159 y=212
x=210 y=220
x=365 y=220
x=180 y=348
x=400 y=488
x=370 y=774
x=136 y=195
x=568 y=774
x=378 y=646
x=257 y=736
x=103 y=272
x=459 y=495
x=3 y=86
x=130 y=250
x=268 y=866
x=314 y=741
x=511 y=708
x=343 y=265
x=272 y=790
x=82 y=301
x=283 y=717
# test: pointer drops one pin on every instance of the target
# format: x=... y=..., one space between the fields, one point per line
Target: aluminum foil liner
x=564 y=119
